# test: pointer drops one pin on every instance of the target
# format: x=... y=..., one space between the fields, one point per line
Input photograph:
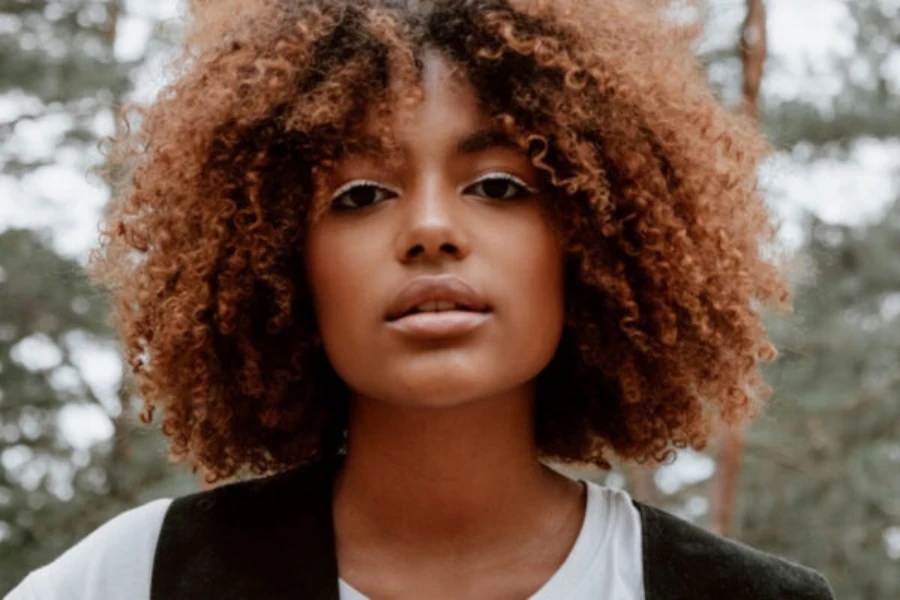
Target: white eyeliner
x=487 y=176
x=360 y=183
x=500 y=175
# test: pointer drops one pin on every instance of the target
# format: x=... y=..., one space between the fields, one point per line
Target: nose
x=432 y=229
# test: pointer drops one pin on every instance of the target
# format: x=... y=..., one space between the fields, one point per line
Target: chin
x=437 y=388
x=447 y=385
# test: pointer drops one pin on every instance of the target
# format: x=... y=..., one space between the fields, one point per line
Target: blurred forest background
x=816 y=479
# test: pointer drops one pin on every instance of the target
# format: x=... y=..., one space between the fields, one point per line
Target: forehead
x=447 y=118
x=446 y=111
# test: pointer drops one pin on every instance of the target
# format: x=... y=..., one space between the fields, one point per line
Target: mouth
x=439 y=324
x=436 y=294
x=437 y=306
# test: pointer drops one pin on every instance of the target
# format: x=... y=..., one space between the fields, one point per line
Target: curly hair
x=655 y=192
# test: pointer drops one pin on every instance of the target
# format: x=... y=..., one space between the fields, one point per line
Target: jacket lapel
x=271 y=538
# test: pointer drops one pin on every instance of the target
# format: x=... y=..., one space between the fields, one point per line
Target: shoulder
x=613 y=523
x=297 y=491
x=615 y=510
x=113 y=562
x=682 y=560
x=243 y=528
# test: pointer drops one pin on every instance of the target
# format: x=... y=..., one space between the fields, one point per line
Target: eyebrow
x=473 y=143
x=483 y=140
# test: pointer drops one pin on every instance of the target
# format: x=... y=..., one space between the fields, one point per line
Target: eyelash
x=524 y=189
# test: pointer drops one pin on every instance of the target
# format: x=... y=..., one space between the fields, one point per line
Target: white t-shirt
x=115 y=562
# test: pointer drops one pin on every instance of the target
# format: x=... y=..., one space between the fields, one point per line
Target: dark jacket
x=273 y=539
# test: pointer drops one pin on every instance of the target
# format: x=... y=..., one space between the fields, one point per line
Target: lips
x=436 y=294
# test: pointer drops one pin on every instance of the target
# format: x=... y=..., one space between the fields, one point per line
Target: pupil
x=362 y=195
x=495 y=188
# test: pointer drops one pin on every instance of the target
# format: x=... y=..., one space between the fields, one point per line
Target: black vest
x=273 y=539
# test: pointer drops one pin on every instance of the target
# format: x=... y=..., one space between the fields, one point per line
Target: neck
x=461 y=477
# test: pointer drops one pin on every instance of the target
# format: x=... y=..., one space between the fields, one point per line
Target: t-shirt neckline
x=574 y=566
x=578 y=561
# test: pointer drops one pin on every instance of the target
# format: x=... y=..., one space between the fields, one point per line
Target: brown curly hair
x=656 y=195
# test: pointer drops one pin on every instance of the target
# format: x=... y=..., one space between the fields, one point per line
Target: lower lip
x=442 y=324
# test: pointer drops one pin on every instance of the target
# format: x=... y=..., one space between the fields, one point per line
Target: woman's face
x=437 y=279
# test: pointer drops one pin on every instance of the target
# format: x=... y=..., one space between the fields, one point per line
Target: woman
x=394 y=256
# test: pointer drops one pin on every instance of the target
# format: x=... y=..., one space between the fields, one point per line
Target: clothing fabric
x=116 y=561
x=604 y=562
x=229 y=543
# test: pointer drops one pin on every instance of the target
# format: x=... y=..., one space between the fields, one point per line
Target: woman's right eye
x=359 y=194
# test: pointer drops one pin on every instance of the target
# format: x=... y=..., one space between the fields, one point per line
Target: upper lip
x=427 y=288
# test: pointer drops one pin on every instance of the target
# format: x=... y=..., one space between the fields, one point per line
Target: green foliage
x=820 y=482
x=57 y=62
x=52 y=493
x=821 y=476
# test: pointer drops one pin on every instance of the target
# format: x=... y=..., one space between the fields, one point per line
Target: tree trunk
x=753 y=51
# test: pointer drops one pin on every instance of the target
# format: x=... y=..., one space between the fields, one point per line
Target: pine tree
x=59 y=68
x=820 y=469
x=821 y=472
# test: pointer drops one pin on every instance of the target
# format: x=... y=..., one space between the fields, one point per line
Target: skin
x=442 y=494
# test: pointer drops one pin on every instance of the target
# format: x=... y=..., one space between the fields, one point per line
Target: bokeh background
x=815 y=479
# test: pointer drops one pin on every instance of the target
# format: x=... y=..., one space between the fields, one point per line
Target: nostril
x=445 y=248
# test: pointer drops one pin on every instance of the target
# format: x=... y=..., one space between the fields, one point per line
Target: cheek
x=341 y=268
x=538 y=258
x=544 y=275
x=336 y=264
x=533 y=269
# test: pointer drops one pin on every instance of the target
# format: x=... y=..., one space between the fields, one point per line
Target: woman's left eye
x=360 y=194
x=500 y=186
